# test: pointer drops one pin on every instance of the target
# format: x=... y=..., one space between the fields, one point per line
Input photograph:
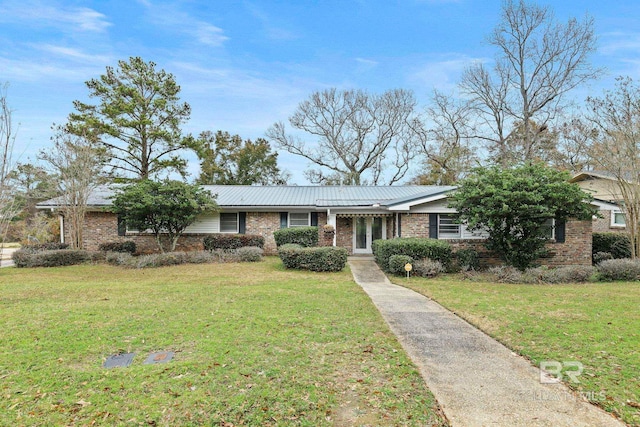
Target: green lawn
x=595 y=324
x=255 y=345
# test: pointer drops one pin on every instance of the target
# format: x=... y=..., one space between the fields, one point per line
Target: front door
x=366 y=229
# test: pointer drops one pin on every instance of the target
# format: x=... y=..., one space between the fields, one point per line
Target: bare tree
x=539 y=60
x=616 y=147
x=574 y=145
x=360 y=137
x=443 y=136
x=78 y=163
x=8 y=206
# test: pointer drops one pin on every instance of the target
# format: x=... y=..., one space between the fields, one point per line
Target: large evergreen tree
x=137 y=118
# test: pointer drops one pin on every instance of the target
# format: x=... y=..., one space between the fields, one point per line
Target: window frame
x=615 y=224
x=308 y=214
x=449 y=236
x=463 y=232
x=237 y=229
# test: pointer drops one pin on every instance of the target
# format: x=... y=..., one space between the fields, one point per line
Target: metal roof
x=292 y=196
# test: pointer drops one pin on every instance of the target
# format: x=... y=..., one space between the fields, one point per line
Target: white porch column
x=331 y=220
x=61 y=218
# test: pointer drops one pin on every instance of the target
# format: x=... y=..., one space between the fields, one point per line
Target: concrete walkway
x=5 y=259
x=476 y=380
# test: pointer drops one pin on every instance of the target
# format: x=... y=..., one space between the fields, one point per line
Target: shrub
x=161 y=260
x=51 y=258
x=200 y=257
x=506 y=274
x=617 y=244
x=249 y=254
x=427 y=268
x=566 y=274
x=598 y=257
x=326 y=258
x=304 y=236
x=231 y=241
x=397 y=263
x=97 y=256
x=468 y=259
x=619 y=269
x=122 y=259
x=39 y=247
x=126 y=246
x=416 y=248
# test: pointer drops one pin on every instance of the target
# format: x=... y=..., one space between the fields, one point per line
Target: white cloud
x=38 y=70
x=618 y=42
x=271 y=29
x=174 y=20
x=68 y=19
x=209 y=34
x=74 y=54
x=444 y=73
x=367 y=62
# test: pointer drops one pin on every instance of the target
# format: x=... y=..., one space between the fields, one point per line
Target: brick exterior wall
x=415 y=225
x=264 y=224
x=576 y=250
x=102 y=227
x=344 y=233
x=603 y=225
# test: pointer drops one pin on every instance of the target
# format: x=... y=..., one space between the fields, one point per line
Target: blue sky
x=244 y=65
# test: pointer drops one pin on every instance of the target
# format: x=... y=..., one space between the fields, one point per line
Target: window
x=122 y=226
x=447 y=227
x=229 y=222
x=297 y=219
x=550 y=228
x=617 y=219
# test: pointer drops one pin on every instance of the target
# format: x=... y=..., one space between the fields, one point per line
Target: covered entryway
x=366 y=229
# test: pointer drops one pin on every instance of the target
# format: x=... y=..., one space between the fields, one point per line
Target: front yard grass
x=596 y=324
x=255 y=345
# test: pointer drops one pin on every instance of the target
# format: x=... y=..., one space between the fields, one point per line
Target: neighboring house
x=607 y=197
x=359 y=215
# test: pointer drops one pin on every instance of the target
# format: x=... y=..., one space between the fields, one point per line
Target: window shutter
x=399 y=225
x=122 y=227
x=314 y=219
x=433 y=226
x=561 y=228
x=284 y=219
x=242 y=222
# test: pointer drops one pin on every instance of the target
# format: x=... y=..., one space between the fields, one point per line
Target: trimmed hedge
x=617 y=244
x=397 y=263
x=325 y=258
x=619 y=269
x=415 y=247
x=53 y=258
x=231 y=241
x=128 y=246
x=304 y=236
x=39 y=247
